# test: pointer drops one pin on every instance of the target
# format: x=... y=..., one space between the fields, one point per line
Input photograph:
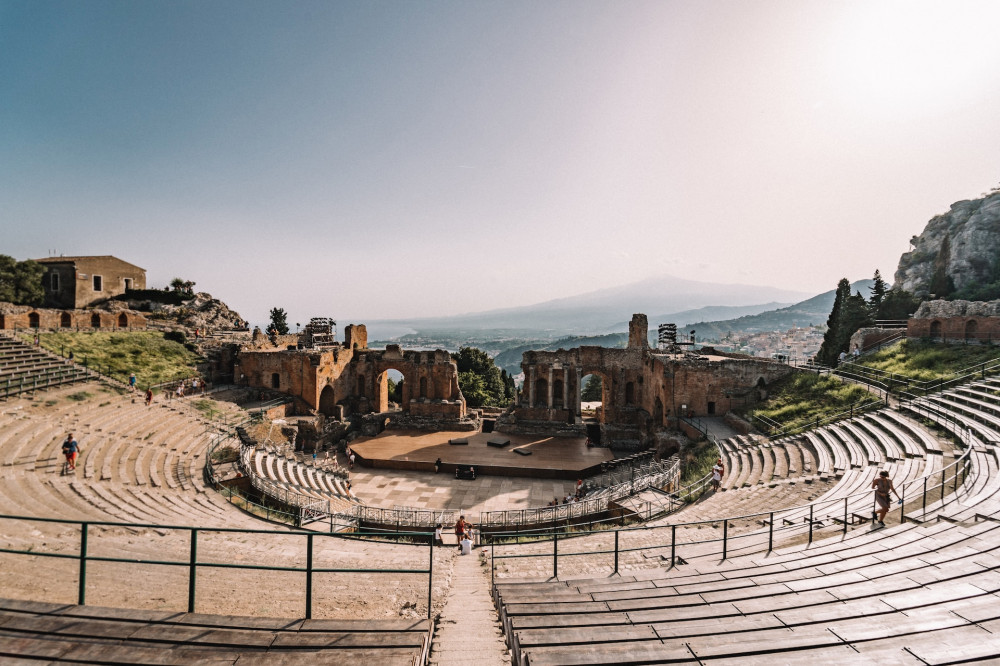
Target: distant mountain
x=599 y=311
x=710 y=313
x=812 y=311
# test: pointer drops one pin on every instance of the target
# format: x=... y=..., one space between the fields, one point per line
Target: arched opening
x=95 y=320
x=936 y=329
x=123 y=320
x=541 y=392
x=595 y=396
x=275 y=380
x=33 y=320
x=972 y=330
x=629 y=393
x=557 y=394
x=65 y=320
x=327 y=401
x=391 y=391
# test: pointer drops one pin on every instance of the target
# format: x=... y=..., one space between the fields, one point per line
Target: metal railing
x=796 y=521
x=194 y=564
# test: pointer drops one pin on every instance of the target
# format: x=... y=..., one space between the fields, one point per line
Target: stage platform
x=550 y=457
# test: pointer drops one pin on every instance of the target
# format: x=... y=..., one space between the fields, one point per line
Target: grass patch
x=152 y=358
x=698 y=461
x=208 y=408
x=929 y=361
x=225 y=454
x=799 y=400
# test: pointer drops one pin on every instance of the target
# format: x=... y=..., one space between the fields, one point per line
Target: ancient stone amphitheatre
x=783 y=565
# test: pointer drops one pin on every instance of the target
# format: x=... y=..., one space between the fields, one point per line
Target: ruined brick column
x=565 y=395
x=577 y=409
x=551 y=371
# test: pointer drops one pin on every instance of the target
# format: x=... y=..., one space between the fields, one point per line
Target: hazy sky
x=393 y=159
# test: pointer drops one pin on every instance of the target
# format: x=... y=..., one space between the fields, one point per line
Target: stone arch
x=65 y=320
x=972 y=330
x=541 y=392
x=327 y=401
x=382 y=397
x=936 y=328
x=34 y=320
x=95 y=320
x=123 y=320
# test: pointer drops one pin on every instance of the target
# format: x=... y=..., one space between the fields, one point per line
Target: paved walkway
x=468 y=631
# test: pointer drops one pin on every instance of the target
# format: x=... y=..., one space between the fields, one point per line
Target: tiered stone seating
x=26 y=368
x=94 y=634
x=298 y=477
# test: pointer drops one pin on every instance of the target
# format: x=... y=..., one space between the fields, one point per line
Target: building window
x=54 y=281
x=98 y=283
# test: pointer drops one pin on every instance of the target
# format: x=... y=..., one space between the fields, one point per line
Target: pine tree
x=879 y=290
x=828 y=351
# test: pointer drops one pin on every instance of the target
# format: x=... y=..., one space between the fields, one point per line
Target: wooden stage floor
x=551 y=457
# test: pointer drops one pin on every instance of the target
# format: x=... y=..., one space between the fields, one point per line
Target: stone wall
x=348 y=379
x=15 y=317
x=956 y=321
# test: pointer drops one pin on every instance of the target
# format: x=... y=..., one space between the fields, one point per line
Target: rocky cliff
x=955 y=250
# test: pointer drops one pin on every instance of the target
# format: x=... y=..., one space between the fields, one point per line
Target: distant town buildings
x=796 y=344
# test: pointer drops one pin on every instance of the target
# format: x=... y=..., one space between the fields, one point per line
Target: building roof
x=74 y=260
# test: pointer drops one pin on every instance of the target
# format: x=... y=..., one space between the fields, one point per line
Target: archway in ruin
x=587 y=376
x=399 y=396
x=327 y=401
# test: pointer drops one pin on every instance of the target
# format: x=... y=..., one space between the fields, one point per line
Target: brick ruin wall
x=46 y=318
x=352 y=379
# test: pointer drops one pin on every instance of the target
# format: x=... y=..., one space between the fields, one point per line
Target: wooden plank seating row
x=93 y=634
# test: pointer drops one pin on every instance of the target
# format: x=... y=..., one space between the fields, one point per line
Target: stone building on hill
x=78 y=282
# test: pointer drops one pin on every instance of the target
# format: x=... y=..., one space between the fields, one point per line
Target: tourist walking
x=70 y=449
x=883 y=486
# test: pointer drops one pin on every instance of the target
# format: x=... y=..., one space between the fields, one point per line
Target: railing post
x=616 y=551
x=924 y=510
x=555 y=554
x=810 y=523
x=309 y=576
x=430 y=576
x=192 y=568
x=725 y=537
x=770 y=533
x=81 y=594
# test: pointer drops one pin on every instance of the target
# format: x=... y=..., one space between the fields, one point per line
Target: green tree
x=279 y=322
x=879 y=289
x=593 y=389
x=828 y=351
x=21 y=281
x=480 y=378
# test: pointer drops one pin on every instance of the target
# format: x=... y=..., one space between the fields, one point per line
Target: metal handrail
x=809 y=515
x=193 y=563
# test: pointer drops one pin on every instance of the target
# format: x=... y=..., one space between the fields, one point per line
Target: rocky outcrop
x=962 y=244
